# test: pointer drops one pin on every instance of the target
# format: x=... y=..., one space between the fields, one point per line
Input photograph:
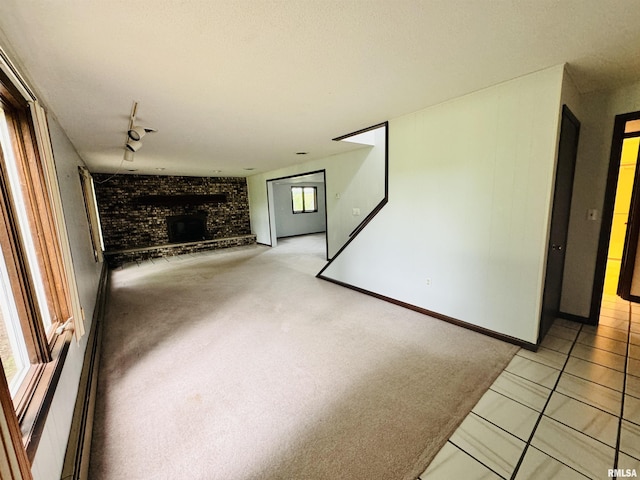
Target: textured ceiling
x=246 y=84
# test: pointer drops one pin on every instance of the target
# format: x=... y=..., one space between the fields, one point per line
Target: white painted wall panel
x=470 y=187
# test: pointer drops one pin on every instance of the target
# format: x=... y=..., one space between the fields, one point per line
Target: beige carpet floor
x=240 y=364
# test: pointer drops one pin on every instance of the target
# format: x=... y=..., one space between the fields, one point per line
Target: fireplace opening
x=187 y=228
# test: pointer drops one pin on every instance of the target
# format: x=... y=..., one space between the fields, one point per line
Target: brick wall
x=130 y=220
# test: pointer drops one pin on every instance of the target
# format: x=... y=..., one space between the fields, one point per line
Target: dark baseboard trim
x=576 y=318
x=76 y=461
x=302 y=234
x=490 y=333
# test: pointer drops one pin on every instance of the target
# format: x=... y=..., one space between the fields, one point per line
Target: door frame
x=607 y=213
x=272 y=211
x=567 y=117
x=631 y=235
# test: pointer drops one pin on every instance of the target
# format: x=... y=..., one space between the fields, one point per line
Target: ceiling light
x=128 y=155
x=133 y=145
x=137 y=132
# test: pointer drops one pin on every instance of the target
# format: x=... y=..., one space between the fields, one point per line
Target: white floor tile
x=540 y=466
x=632 y=409
x=605 y=331
x=576 y=437
x=620 y=322
x=601 y=357
x=603 y=343
x=567 y=323
x=584 y=418
x=495 y=448
x=522 y=390
x=626 y=462
x=630 y=439
x=556 y=343
x=507 y=414
x=620 y=311
x=633 y=367
x=451 y=462
x=633 y=386
x=548 y=357
x=534 y=371
x=580 y=452
x=595 y=373
x=588 y=392
x=563 y=332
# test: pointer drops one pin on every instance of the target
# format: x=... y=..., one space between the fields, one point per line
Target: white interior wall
x=289 y=223
x=353 y=180
x=51 y=450
x=598 y=114
x=465 y=231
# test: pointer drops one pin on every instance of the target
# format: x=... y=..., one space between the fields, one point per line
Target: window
x=304 y=199
x=91 y=208
x=35 y=291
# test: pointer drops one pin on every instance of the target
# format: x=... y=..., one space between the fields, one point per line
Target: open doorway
x=298 y=207
x=617 y=279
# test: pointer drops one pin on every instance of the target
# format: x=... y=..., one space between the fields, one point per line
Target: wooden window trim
x=39 y=213
x=20 y=279
x=88 y=195
x=47 y=350
x=14 y=464
x=35 y=401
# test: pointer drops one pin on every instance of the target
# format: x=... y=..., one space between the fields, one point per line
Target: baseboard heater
x=76 y=460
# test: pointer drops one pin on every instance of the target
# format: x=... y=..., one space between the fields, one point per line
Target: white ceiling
x=246 y=84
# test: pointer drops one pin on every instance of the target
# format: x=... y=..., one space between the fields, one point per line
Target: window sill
x=33 y=401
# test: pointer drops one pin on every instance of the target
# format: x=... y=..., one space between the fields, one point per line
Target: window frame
x=46 y=348
x=304 y=209
x=91 y=209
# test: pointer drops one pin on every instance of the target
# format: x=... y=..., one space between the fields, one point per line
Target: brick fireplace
x=145 y=216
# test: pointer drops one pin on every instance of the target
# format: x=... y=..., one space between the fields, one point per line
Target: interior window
x=304 y=199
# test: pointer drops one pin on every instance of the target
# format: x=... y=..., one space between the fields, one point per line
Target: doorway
x=622 y=248
x=615 y=281
x=297 y=206
x=563 y=190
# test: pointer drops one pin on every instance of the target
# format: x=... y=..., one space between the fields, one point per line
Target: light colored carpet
x=241 y=365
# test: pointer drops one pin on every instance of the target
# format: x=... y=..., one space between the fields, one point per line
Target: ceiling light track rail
x=135 y=134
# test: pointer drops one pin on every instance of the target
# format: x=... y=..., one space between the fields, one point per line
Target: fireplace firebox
x=187 y=228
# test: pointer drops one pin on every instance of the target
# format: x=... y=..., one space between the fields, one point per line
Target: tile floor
x=570 y=410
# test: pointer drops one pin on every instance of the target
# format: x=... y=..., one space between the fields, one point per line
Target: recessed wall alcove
x=144 y=216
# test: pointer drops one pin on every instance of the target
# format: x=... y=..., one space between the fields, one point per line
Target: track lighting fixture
x=137 y=132
x=134 y=135
x=133 y=145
